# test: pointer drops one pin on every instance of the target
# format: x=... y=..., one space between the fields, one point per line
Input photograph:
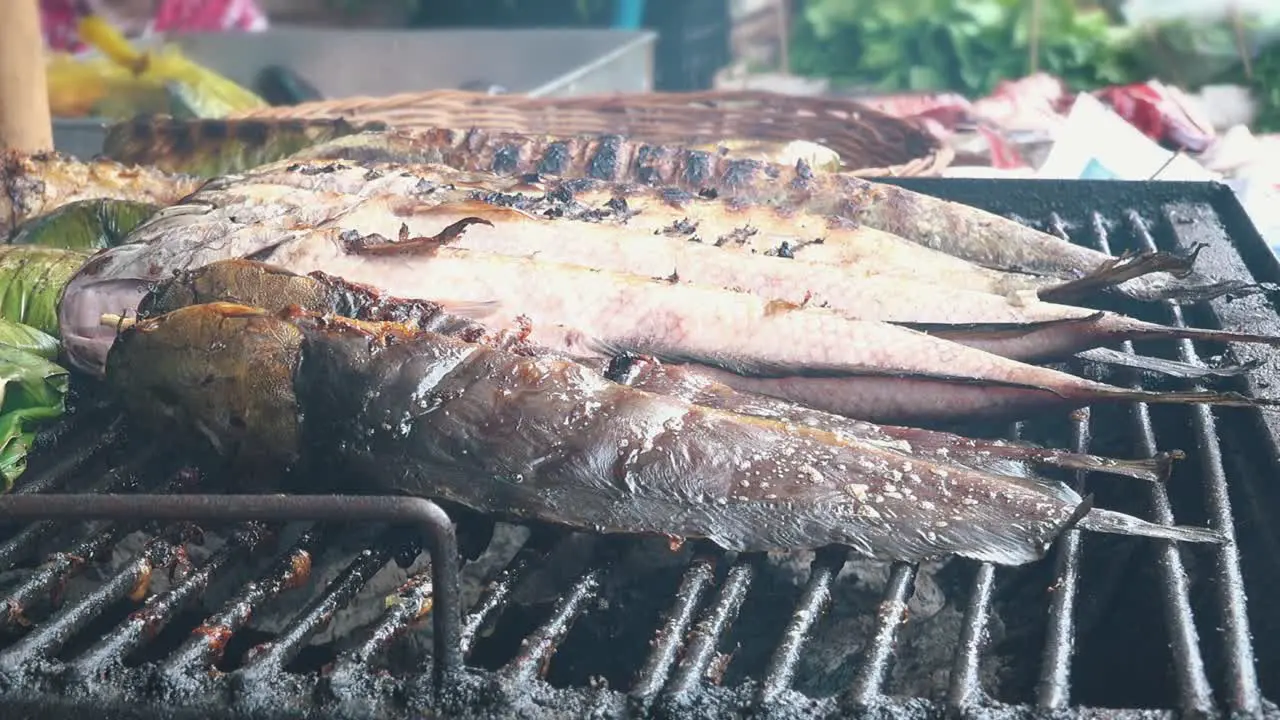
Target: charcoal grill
x=621 y=627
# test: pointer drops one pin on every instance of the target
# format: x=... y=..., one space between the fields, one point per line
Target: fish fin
x=953 y=331
x=1117 y=271
x=1114 y=523
x=1156 y=330
x=375 y=244
x=1170 y=368
x=1154 y=469
x=477 y=310
x=756 y=368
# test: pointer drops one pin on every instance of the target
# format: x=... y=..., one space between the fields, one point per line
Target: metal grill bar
x=206 y=644
x=1195 y=693
x=273 y=656
x=148 y=621
x=413 y=602
x=1054 y=687
x=868 y=684
x=494 y=598
x=233 y=508
x=49 y=637
x=701 y=648
x=1243 y=693
x=56 y=476
x=964 y=688
x=697 y=579
x=539 y=647
x=814 y=601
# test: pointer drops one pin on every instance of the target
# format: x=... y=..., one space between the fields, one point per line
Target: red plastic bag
x=1162 y=113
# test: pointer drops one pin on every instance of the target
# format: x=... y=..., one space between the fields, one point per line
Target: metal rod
x=238 y=508
x=666 y=643
x=1195 y=693
x=1053 y=690
x=538 y=648
x=965 y=688
x=814 y=601
x=1243 y=693
x=701 y=648
x=868 y=684
x=494 y=599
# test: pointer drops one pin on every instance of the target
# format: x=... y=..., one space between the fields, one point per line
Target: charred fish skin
x=33 y=184
x=276 y=289
x=213 y=147
x=549 y=440
x=959 y=230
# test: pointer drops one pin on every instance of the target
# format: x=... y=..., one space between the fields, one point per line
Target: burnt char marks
x=699 y=169
x=506 y=160
x=555 y=159
x=739 y=173
x=606 y=162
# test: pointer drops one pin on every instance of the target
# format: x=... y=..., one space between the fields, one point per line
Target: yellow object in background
x=125 y=82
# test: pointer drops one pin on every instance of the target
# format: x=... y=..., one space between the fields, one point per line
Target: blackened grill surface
x=569 y=625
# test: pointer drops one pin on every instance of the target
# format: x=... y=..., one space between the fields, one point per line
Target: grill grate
x=712 y=652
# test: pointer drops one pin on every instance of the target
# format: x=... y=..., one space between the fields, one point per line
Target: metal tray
x=344 y=63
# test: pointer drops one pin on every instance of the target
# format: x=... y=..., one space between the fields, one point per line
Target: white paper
x=1097 y=144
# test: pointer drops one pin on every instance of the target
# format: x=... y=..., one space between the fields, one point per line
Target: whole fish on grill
x=751 y=186
x=759 y=194
x=1017 y=327
x=811 y=355
x=32 y=185
x=275 y=289
x=397 y=409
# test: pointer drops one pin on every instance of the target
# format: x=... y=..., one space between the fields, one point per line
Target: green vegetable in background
x=31 y=282
x=85 y=224
x=32 y=391
x=963 y=45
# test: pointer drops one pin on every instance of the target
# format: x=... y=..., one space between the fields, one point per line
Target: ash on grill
x=341 y=618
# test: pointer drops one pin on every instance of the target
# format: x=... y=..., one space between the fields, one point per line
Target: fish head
x=246 y=282
x=218 y=371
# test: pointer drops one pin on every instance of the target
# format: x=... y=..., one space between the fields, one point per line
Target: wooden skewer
x=119 y=322
x=25 y=123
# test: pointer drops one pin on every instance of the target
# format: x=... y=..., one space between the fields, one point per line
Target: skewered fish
x=275 y=289
x=958 y=230
x=539 y=438
x=768 y=200
x=32 y=185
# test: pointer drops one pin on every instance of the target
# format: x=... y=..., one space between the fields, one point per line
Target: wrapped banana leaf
x=28 y=339
x=32 y=279
x=85 y=224
x=210 y=148
x=32 y=391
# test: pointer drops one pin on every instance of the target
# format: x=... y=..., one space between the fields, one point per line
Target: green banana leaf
x=32 y=279
x=32 y=391
x=85 y=224
x=28 y=339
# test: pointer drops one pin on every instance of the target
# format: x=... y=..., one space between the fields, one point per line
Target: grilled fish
x=275 y=289
x=36 y=184
x=810 y=355
x=747 y=185
x=1020 y=328
x=407 y=411
x=209 y=148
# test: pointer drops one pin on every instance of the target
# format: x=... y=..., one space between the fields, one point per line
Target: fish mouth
x=86 y=341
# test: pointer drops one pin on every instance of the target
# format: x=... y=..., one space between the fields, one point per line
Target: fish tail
x=1114 y=523
x=1113 y=273
x=1154 y=469
x=1154 y=330
x=1186 y=397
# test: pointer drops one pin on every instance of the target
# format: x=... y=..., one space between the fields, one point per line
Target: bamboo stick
x=25 y=123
